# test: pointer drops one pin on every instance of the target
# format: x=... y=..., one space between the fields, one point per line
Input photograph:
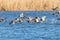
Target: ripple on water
x=26 y=31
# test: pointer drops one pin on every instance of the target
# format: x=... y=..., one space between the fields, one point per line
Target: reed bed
x=29 y=4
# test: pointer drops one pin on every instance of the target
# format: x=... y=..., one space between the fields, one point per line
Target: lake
x=26 y=31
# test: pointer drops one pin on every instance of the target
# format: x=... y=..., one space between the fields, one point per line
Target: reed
x=29 y=4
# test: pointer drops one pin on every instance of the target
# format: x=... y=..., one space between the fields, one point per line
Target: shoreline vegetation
x=28 y=5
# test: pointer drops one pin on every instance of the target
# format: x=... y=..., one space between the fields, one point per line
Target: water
x=26 y=31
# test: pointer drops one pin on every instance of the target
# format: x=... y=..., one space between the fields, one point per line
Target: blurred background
x=29 y=4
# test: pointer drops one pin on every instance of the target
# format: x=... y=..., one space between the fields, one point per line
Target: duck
x=37 y=19
x=43 y=19
x=21 y=15
x=16 y=20
x=54 y=8
x=2 y=19
x=30 y=19
x=56 y=13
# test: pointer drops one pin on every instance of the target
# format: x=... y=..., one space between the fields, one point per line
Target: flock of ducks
x=35 y=19
x=57 y=12
x=31 y=19
x=28 y=19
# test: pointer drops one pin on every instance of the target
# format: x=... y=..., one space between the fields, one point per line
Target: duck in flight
x=37 y=19
x=16 y=20
x=2 y=19
x=30 y=19
x=55 y=8
x=21 y=15
x=43 y=19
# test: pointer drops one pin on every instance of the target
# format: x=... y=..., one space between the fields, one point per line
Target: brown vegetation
x=29 y=4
